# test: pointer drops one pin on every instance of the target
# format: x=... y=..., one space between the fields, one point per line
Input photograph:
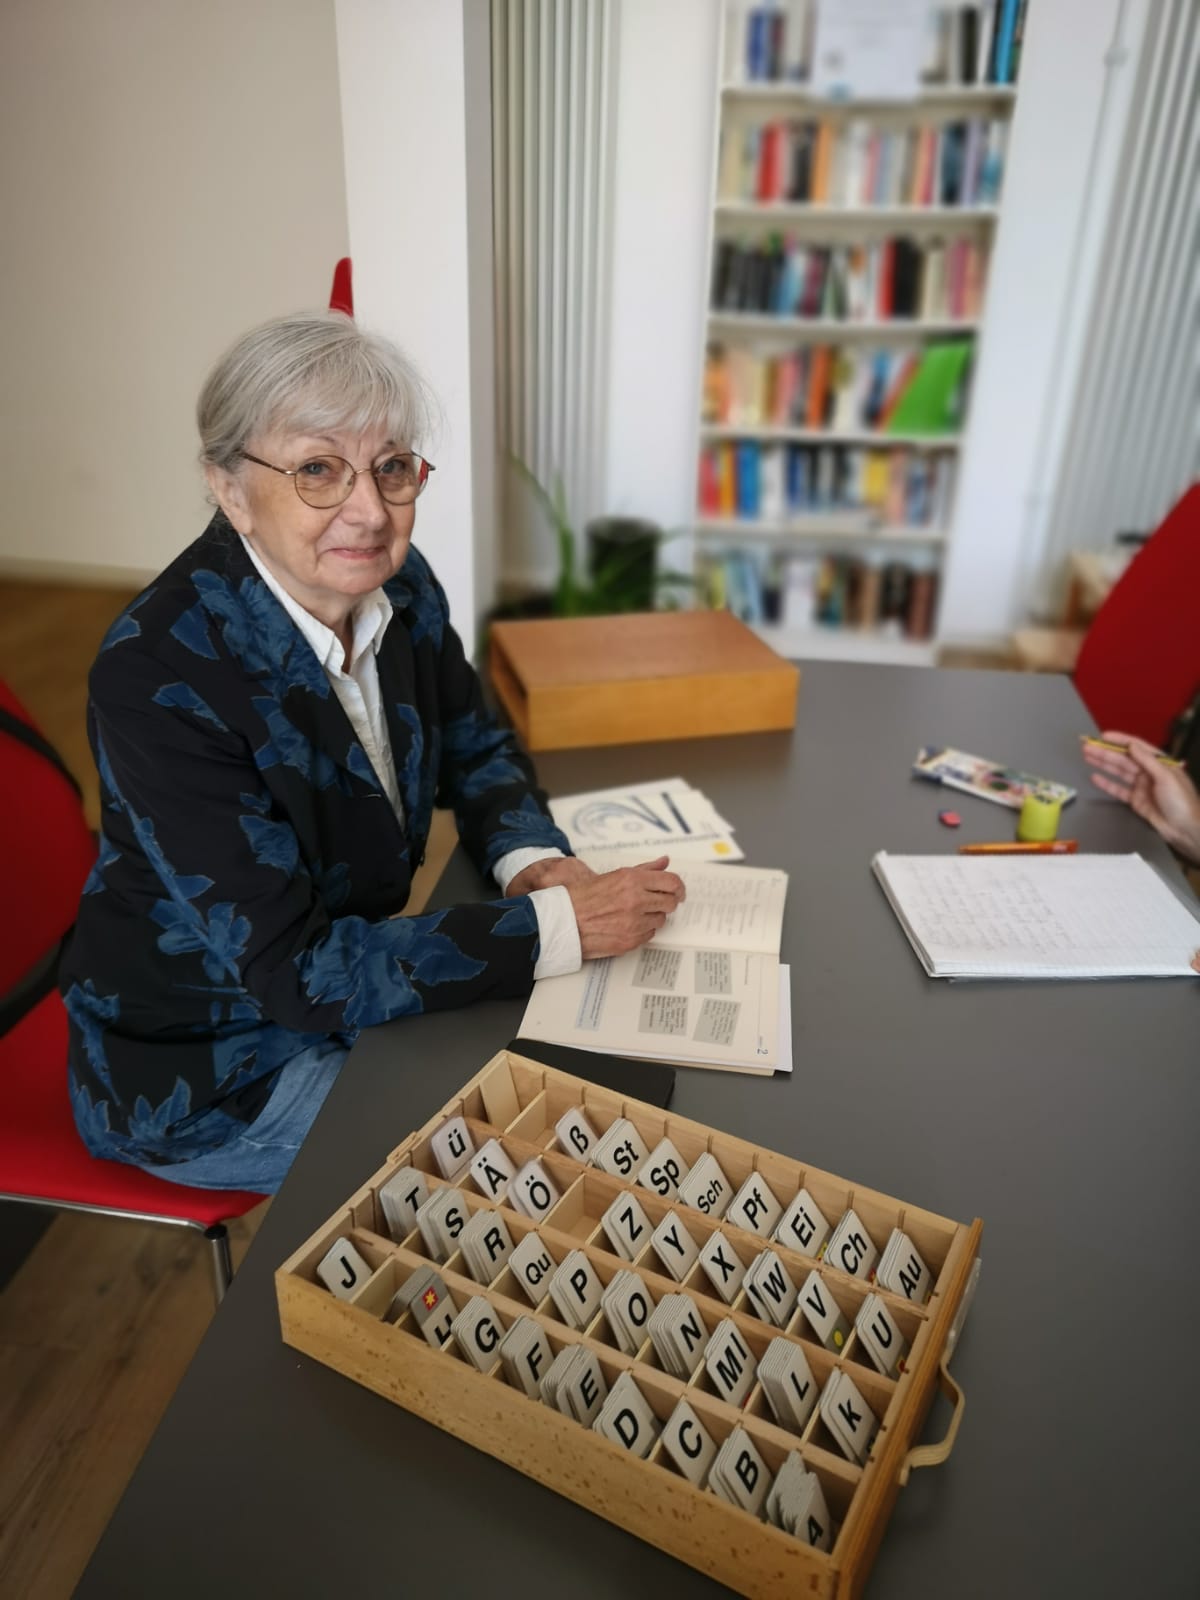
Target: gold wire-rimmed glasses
x=327 y=481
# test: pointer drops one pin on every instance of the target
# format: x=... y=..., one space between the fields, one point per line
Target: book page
x=1040 y=915
x=784 y=1039
x=710 y=1006
x=727 y=908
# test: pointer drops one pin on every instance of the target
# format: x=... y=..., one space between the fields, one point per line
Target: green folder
x=932 y=402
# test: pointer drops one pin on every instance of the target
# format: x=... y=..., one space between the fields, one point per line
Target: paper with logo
x=637 y=822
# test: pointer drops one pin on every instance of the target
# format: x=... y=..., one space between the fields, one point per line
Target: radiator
x=553 y=68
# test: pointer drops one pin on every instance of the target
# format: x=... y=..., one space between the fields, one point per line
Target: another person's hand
x=620 y=910
x=1164 y=796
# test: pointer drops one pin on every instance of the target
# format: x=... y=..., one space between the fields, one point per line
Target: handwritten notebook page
x=1039 y=916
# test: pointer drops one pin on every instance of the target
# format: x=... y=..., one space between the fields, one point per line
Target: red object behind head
x=341 y=296
x=1140 y=662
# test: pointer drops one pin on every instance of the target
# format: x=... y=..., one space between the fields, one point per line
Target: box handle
x=932 y=1455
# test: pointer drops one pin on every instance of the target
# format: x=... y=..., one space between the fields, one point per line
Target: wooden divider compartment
x=518 y=1102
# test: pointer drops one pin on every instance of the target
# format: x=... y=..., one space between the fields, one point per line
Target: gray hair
x=313 y=372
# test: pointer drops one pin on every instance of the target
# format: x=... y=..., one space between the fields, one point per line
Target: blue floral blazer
x=243 y=904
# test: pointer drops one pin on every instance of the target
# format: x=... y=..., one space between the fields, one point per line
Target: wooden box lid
x=575 y=681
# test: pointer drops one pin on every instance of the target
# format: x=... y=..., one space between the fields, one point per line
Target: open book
x=1039 y=916
x=708 y=989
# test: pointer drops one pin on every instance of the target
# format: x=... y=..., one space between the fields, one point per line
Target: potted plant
x=622 y=561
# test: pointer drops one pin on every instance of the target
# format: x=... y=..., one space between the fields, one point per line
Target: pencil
x=1123 y=749
x=1044 y=847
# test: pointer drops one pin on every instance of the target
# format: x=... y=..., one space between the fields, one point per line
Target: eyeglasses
x=328 y=481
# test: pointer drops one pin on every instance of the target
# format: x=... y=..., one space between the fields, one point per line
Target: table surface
x=1064 y=1115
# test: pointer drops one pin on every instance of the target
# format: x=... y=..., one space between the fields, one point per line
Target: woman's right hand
x=1164 y=796
x=620 y=910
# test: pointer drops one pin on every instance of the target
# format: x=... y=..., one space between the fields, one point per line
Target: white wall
x=171 y=174
x=421 y=248
x=1062 y=161
x=662 y=202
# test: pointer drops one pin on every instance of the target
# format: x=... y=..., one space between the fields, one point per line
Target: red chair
x=43 y=1161
x=341 y=294
x=1140 y=661
x=47 y=852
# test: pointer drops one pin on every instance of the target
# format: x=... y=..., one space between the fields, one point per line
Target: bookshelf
x=849 y=246
x=794 y=330
x=843 y=436
x=833 y=527
x=798 y=94
x=768 y=214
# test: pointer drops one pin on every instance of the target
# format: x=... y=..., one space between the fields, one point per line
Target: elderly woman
x=273 y=721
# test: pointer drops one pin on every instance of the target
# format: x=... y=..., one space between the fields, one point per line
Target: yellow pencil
x=1123 y=749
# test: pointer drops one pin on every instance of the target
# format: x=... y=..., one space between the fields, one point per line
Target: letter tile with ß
x=737 y=1348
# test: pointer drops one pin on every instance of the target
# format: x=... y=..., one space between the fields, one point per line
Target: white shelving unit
x=864 y=437
x=857 y=533
x=942 y=96
x=847 y=527
x=819 y=643
x=771 y=214
x=795 y=330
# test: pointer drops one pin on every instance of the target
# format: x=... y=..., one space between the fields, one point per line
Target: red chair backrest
x=341 y=295
x=1140 y=662
x=46 y=850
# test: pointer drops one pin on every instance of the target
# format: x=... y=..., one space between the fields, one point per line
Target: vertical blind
x=1133 y=442
x=552 y=138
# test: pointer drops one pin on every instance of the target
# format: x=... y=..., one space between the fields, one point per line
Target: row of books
x=846 y=388
x=871 y=592
x=851 y=163
x=883 y=278
x=771 y=483
x=977 y=43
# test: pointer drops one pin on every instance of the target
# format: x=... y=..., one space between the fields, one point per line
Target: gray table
x=1064 y=1115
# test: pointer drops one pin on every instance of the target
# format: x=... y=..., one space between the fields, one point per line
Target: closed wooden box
x=579 y=681
x=518 y=1102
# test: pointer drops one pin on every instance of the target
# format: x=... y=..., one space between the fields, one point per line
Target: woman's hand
x=614 y=911
x=1164 y=796
x=620 y=910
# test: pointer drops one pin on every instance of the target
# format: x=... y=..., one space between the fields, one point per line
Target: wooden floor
x=99 y=1324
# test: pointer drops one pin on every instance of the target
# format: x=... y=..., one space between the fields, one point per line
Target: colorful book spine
x=747 y=478
x=726 y=481
x=1005 y=35
x=822 y=162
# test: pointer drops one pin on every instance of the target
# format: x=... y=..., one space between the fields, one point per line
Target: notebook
x=1081 y=916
